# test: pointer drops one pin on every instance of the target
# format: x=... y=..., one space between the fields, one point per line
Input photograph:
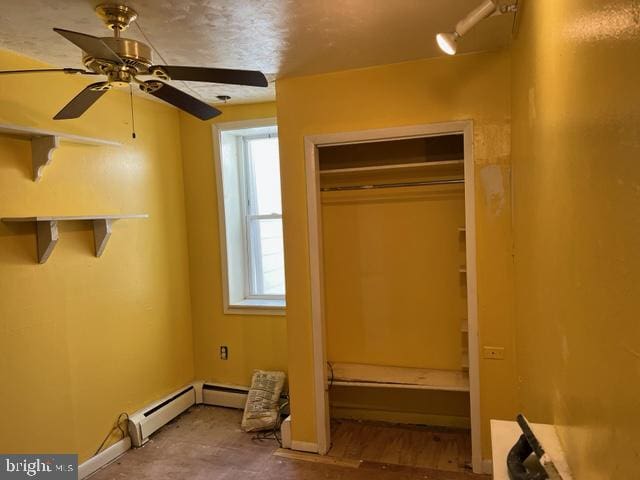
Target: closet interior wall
x=394 y=278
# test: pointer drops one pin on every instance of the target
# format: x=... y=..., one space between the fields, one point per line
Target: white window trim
x=267 y=306
x=250 y=255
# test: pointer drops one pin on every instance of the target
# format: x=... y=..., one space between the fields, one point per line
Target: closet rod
x=393 y=185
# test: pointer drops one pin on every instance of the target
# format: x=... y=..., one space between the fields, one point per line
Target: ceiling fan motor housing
x=136 y=55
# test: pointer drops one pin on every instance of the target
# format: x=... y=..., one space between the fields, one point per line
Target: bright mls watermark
x=45 y=466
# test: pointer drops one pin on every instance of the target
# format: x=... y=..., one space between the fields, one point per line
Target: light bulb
x=447 y=42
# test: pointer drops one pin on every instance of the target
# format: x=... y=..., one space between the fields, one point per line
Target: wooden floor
x=206 y=443
x=408 y=445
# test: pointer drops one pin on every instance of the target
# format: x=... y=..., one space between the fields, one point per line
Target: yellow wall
x=253 y=341
x=83 y=338
x=576 y=111
x=393 y=293
x=466 y=87
x=394 y=296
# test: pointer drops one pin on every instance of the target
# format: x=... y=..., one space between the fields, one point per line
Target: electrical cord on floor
x=117 y=426
x=330 y=365
x=274 y=433
x=330 y=378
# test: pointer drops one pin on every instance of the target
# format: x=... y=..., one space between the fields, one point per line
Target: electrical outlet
x=493 y=353
x=224 y=352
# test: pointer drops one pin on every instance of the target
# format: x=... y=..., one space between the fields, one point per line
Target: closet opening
x=394 y=307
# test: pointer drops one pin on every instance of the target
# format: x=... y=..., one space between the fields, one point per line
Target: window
x=250 y=205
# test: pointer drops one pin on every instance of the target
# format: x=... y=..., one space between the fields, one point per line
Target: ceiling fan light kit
x=122 y=60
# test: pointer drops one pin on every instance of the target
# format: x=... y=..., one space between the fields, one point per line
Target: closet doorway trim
x=311 y=144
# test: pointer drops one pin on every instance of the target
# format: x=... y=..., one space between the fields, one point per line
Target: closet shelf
x=464 y=326
x=378 y=376
x=44 y=142
x=465 y=360
x=462 y=269
x=399 y=166
x=47 y=230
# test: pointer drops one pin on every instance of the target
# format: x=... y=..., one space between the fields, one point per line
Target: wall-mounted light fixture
x=448 y=42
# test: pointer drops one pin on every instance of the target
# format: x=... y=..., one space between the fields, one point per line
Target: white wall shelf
x=44 y=143
x=378 y=376
x=399 y=166
x=47 y=230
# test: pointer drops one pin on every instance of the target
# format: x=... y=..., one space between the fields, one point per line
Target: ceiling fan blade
x=179 y=99
x=82 y=101
x=91 y=45
x=213 y=75
x=79 y=71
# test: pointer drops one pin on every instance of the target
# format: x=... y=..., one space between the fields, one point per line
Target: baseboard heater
x=231 y=396
x=144 y=422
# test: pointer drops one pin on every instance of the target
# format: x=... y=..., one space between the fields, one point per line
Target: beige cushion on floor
x=261 y=410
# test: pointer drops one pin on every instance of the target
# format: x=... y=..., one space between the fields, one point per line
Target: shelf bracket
x=47 y=237
x=42 y=153
x=101 y=233
x=47 y=230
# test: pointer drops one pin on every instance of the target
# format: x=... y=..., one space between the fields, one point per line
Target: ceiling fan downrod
x=116 y=17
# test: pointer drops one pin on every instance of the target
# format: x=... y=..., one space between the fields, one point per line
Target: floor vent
x=144 y=422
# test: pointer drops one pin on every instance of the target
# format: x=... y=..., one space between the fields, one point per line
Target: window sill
x=257 y=307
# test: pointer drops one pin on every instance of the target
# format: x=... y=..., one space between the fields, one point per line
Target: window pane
x=267 y=256
x=265 y=175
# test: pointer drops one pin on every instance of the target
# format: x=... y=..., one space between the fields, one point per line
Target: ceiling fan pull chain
x=133 y=120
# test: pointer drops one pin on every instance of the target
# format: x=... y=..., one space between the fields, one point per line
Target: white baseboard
x=231 y=396
x=197 y=385
x=220 y=395
x=487 y=466
x=103 y=458
x=304 y=446
x=146 y=421
x=285 y=432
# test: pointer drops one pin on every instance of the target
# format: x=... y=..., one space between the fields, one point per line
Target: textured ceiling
x=279 y=37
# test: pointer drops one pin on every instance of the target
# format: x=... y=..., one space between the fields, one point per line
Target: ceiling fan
x=122 y=60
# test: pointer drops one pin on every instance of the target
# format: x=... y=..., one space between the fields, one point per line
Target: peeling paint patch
x=492 y=182
x=492 y=143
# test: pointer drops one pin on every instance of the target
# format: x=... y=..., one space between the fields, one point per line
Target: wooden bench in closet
x=362 y=375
